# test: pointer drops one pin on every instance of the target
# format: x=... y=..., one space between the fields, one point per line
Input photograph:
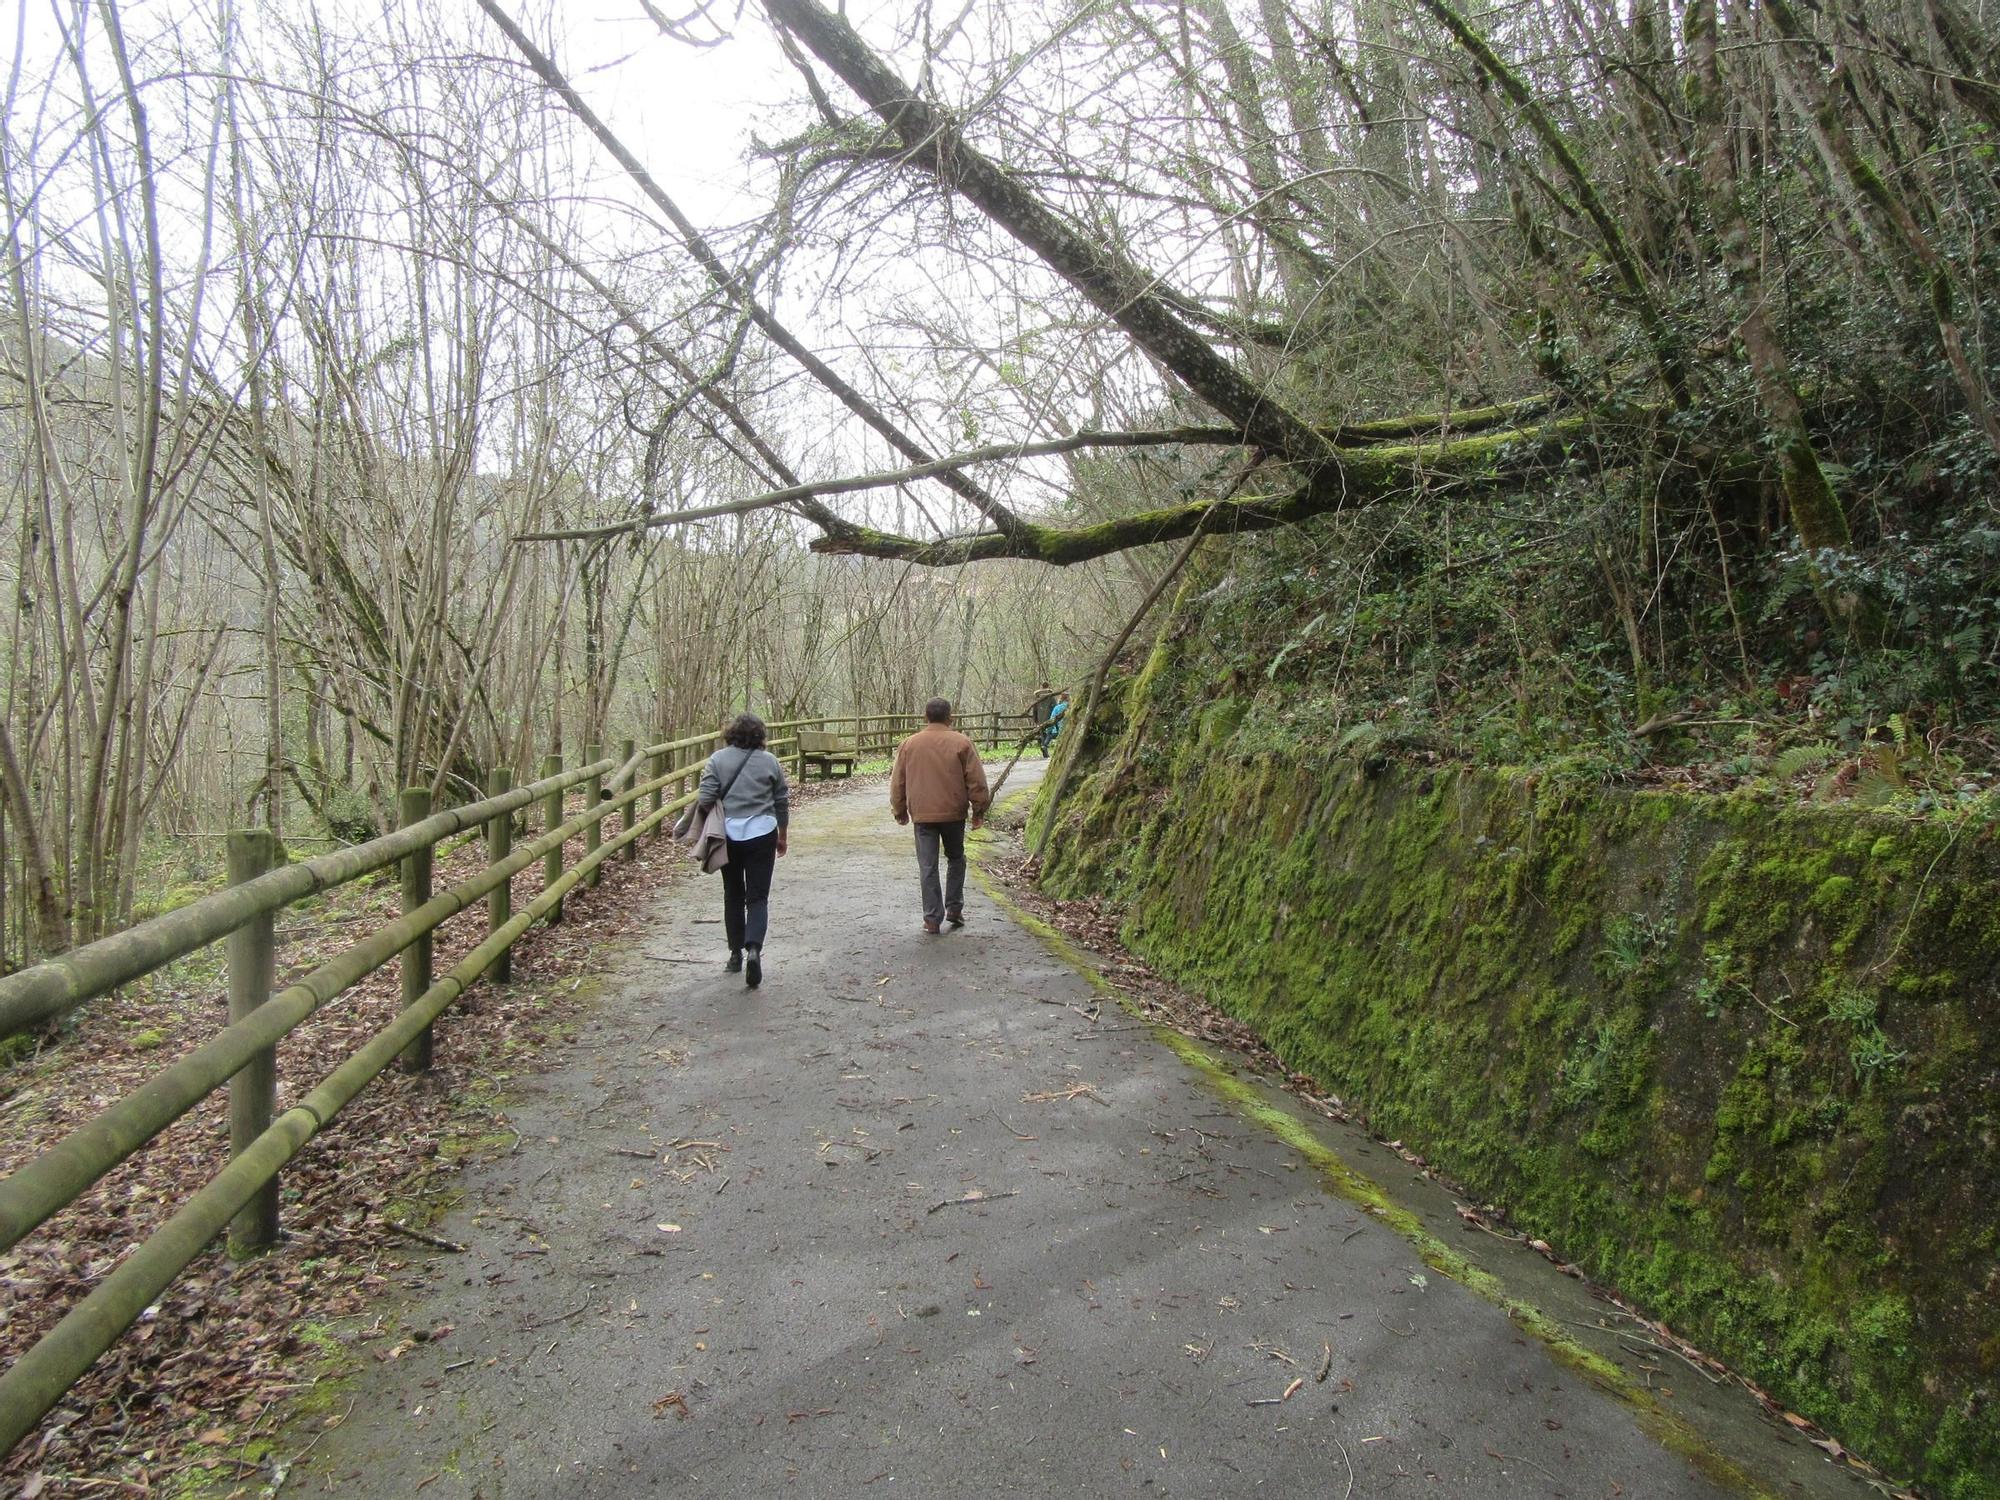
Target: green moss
x=477 y=1145
x=1660 y=1421
x=15 y=1049
x=1730 y=1056
x=147 y=1040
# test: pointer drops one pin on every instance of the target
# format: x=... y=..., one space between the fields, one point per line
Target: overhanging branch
x=1367 y=477
x=803 y=495
x=697 y=245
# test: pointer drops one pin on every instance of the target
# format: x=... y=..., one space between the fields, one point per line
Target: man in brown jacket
x=937 y=780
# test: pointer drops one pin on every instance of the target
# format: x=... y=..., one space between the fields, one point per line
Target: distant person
x=1038 y=713
x=937 y=781
x=749 y=782
x=1053 y=726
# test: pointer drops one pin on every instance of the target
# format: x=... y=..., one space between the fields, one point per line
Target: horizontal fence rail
x=642 y=788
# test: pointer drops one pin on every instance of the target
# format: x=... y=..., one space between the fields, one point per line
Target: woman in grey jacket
x=749 y=782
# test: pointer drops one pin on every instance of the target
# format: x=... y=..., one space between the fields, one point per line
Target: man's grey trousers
x=952 y=836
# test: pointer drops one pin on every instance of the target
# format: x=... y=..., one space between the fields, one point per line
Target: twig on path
x=1709 y=1375
x=1325 y=1362
x=1244 y=1166
x=1074 y=1091
x=972 y=1197
x=1401 y=1333
x=424 y=1237
x=630 y=1151
x=675 y=958
x=1111 y=1030
x=581 y=1307
x=1088 y=1015
x=1516 y=1458
x=282 y=1470
x=1350 y=1467
x=1010 y=1129
x=674 y=1400
x=1290 y=1391
x=457 y=1365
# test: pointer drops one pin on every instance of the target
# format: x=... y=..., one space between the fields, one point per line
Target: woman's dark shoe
x=735 y=964
x=753 y=967
x=931 y=927
x=955 y=915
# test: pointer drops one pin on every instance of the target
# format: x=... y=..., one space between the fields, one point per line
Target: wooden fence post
x=253 y=1092
x=500 y=904
x=416 y=1057
x=631 y=818
x=593 y=801
x=552 y=819
x=656 y=767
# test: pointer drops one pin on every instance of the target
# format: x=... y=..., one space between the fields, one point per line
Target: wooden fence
x=642 y=788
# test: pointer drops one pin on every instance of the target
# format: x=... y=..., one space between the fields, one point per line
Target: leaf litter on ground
x=209 y=1366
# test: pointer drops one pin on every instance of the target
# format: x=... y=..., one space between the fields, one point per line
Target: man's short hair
x=938 y=710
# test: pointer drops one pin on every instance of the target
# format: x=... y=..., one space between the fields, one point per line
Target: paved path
x=831 y=1316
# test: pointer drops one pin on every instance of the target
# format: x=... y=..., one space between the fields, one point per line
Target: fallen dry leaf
x=385 y=1145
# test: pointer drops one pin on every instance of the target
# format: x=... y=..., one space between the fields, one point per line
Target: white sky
x=688 y=113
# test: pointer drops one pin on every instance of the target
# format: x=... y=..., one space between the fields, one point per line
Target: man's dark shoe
x=955 y=915
x=735 y=964
x=931 y=926
x=753 y=968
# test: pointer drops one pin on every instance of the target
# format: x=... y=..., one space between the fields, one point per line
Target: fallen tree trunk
x=1363 y=477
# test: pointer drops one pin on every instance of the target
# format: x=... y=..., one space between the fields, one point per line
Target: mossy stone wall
x=1740 y=1061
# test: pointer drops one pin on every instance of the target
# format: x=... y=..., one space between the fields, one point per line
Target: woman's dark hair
x=745 y=732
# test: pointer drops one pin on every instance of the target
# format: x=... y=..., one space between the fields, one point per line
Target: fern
x=1874 y=788
x=1367 y=731
x=1791 y=584
x=1803 y=758
x=1294 y=644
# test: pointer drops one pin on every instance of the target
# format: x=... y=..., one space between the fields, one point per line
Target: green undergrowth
x=1740 y=1060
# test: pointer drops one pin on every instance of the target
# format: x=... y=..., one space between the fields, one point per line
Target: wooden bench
x=818 y=748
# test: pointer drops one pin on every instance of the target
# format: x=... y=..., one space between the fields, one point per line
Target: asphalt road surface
x=907 y=1221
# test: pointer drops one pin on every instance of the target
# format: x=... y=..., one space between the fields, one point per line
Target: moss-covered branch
x=1117 y=287
x=1348 y=435
x=1362 y=477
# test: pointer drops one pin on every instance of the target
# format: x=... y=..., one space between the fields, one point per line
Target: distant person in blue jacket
x=1055 y=720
